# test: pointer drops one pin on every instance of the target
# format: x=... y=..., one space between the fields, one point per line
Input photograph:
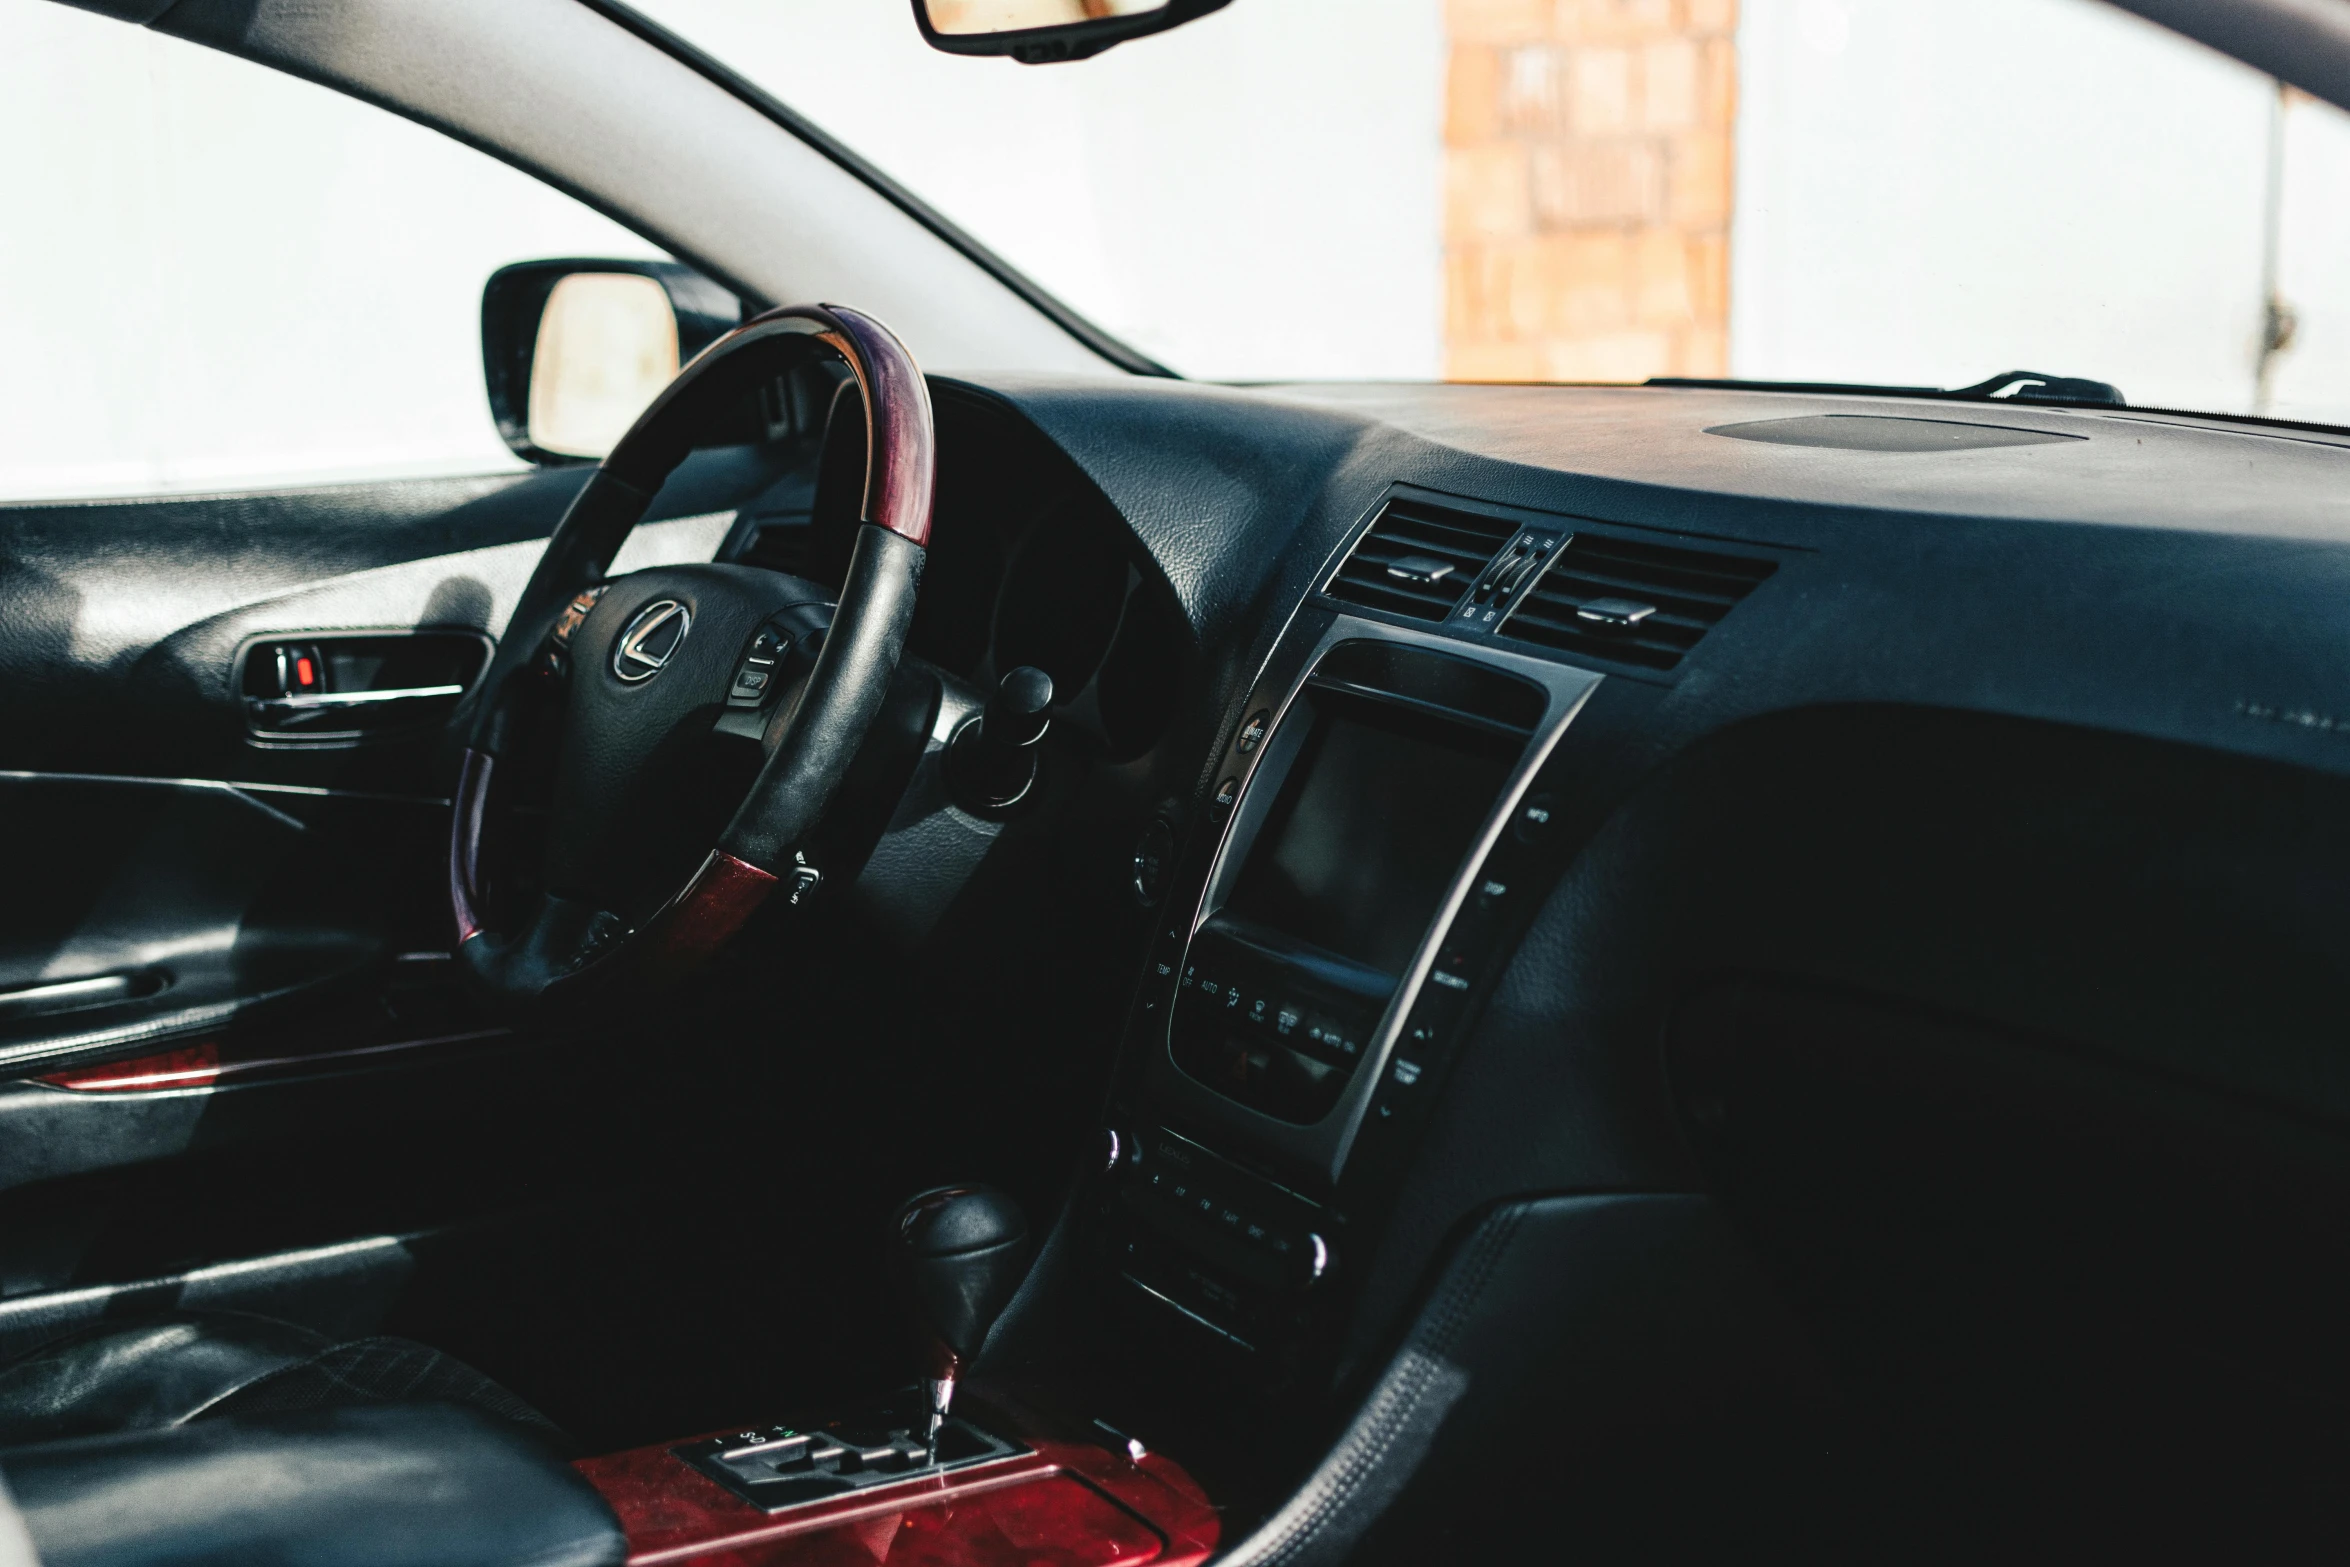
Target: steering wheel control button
x=1252 y=734
x=574 y=612
x=755 y=677
x=1227 y=794
x=650 y=640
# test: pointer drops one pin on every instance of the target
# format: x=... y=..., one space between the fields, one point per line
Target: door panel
x=277 y=908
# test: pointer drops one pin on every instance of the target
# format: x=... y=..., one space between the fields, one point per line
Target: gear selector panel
x=781 y=1466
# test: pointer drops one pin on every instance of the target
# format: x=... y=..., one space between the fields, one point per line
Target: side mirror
x=1038 y=32
x=574 y=350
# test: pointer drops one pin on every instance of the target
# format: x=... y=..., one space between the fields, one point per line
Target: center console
x=1381 y=830
x=920 y=1475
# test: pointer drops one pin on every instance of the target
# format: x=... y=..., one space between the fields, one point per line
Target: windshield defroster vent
x=1634 y=603
x=1419 y=559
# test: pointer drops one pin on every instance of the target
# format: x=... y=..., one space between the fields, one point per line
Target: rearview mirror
x=574 y=350
x=1037 y=32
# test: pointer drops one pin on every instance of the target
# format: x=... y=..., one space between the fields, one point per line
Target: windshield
x=1914 y=192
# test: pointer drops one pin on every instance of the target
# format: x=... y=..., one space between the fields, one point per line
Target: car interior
x=1064 y=965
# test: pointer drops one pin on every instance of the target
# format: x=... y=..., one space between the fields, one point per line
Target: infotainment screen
x=1371 y=824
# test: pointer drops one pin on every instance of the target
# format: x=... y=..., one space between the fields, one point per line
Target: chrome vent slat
x=1655 y=627
x=1403 y=529
x=1691 y=591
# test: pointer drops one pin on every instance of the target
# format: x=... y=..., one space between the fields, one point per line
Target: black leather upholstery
x=405 y=1485
x=167 y=1371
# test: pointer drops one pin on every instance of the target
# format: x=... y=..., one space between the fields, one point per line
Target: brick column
x=1587 y=188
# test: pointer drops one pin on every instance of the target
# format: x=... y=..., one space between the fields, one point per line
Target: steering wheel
x=646 y=662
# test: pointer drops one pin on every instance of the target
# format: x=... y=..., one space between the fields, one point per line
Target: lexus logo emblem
x=651 y=640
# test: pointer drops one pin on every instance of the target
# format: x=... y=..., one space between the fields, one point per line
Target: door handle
x=340 y=715
x=333 y=700
x=345 y=688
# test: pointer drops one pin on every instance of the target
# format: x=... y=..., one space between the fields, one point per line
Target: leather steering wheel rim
x=561 y=948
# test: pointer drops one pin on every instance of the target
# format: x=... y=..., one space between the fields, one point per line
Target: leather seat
x=393 y=1485
x=167 y=1371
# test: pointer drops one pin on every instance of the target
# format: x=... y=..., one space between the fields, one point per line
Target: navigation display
x=1371 y=824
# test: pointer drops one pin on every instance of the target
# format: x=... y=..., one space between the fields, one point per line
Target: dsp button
x=754 y=677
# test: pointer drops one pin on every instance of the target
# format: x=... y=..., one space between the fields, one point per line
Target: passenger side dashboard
x=1952 y=681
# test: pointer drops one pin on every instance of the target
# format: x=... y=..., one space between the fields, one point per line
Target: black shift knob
x=963 y=1251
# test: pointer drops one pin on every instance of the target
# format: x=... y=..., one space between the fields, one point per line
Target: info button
x=1535 y=819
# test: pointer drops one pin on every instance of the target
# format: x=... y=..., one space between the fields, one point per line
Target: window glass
x=1914 y=192
x=214 y=276
x=1254 y=195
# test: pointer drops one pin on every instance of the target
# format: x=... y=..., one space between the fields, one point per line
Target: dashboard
x=1526 y=787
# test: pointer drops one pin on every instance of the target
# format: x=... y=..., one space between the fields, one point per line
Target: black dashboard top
x=2154 y=573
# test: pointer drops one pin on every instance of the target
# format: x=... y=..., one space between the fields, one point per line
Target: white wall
x=1932 y=191
x=1257 y=194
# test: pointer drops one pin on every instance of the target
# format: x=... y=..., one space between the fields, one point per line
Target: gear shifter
x=963 y=1251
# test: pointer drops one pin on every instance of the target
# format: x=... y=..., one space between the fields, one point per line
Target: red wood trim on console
x=473 y=794
x=1063 y=1505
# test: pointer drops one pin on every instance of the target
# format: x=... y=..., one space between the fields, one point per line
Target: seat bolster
x=138 y=1376
x=383 y=1485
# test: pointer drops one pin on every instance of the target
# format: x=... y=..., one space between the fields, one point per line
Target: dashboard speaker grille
x=1635 y=603
x=1418 y=559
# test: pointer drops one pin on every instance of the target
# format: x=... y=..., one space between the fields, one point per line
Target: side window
x=215 y=277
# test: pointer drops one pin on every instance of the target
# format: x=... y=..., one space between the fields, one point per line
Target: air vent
x=1634 y=603
x=1419 y=559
